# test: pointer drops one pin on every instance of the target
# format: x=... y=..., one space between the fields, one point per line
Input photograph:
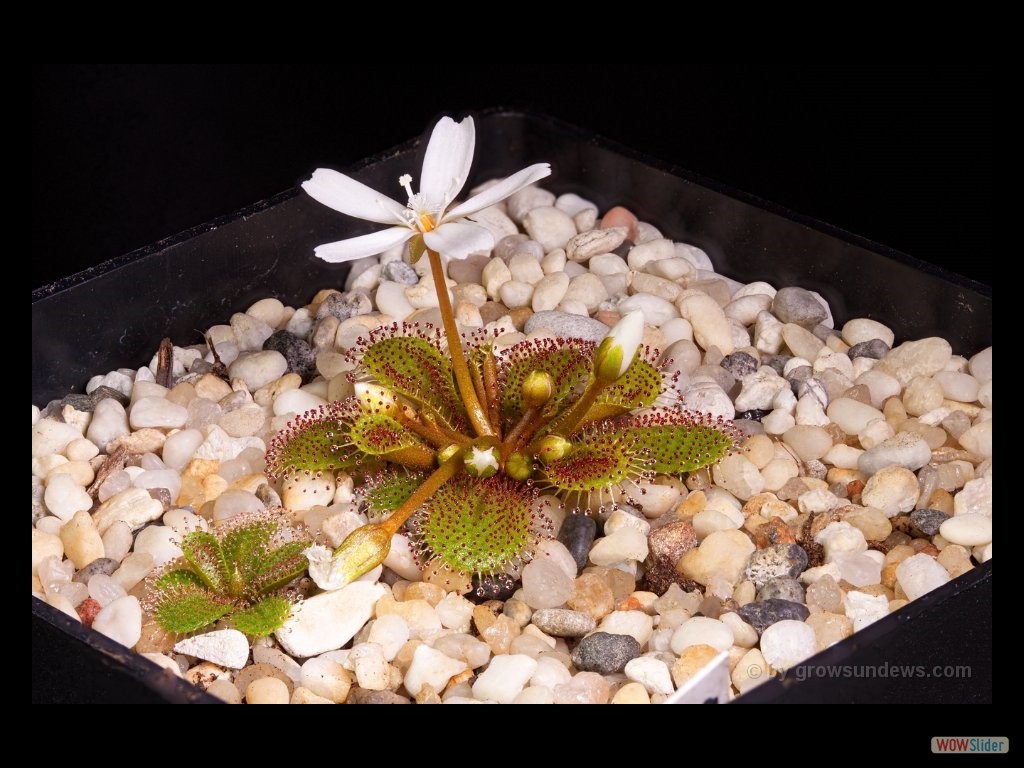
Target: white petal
x=364 y=245
x=500 y=191
x=457 y=240
x=449 y=156
x=344 y=194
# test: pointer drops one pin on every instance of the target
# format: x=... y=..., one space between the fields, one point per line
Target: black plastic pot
x=116 y=314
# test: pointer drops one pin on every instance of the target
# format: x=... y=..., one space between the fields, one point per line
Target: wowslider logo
x=977 y=745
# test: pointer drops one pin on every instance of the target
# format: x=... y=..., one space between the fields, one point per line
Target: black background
x=124 y=154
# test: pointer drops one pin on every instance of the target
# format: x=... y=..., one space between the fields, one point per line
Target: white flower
x=445 y=168
x=618 y=348
x=481 y=462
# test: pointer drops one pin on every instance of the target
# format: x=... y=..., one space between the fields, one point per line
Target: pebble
x=258 y=368
x=605 y=653
x=875 y=349
x=850 y=415
x=267 y=690
x=903 y=450
x=969 y=530
x=82 y=542
x=504 y=678
x=132 y=506
x=576 y=535
x=64 y=497
x=701 y=630
x=546 y=584
x=722 y=554
x=652 y=673
x=223 y=647
x=924 y=357
x=808 y=442
x=373 y=673
x=624 y=544
x=666 y=546
x=861 y=329
x=586 y=245
x=549 y=292
x=799 y=306
x=566 y=325
x=782 y=588
x=561 y=622
x=920 y=574
x=761 y=614
x=327 y=621
x=104 y=565
x=786 y=643
x=864 y=609
x=776 y=561
x=584 y=688
x=927 y=521
x=978 y=439
x=974 y=497
x=691 y=661
x=431 y=667
x=159 y=541
x=121 y=620
x=298 y=355
x=891 y=489
x=710 y=326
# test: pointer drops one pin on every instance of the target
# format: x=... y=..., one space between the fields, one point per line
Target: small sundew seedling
x=455 y=437
x=241 y=574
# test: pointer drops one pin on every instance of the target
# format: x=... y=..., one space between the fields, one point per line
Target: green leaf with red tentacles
x=387 y=491
x=179 y=578
x=240 y=572
x=203 y=553
x=639 y=387
x=599 y=461
x=677 y=441
x=278 y=567
x=262 y=618
x=185 y=609
x=416 y=369
x=567 y=361
x=316 y=441
x=478 y=526
x=377 y=434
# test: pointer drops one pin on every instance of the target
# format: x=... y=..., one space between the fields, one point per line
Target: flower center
x=424 y=213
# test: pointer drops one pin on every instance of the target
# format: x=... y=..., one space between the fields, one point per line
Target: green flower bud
x=616 y=352
x=519 y=467
x=537 y=389
x=552 y=448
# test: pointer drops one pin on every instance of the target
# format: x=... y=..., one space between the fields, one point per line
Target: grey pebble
x=83 y=403
x=566 y=325
x=104 y=565
x=400 y=272
x=605 y=653
x=363 y=696
x=798 y=305
x=776 y=362
x=345 y=305
x=297 y=352
x=761 y=614
x=926 y=522
x=103 y=392
x=778 y=560
x=739 y=364
x=873 y=348
x=783 y=588
x=577 y=534
x=562 y=622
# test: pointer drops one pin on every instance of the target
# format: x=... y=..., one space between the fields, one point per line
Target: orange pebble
x=620 y=217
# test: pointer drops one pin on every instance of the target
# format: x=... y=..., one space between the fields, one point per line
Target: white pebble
x=504 y=678
x=652 y=673
x=224 y=647
x=863 y=608
x=892 y=490
x=158 y=413
x=786 y=643
x=327 y=678
x=121 y=621
x=920 y=574
x=431 y=667
x=159 y=541
x=968 y=530
x=701 y=630
x=64 y=497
